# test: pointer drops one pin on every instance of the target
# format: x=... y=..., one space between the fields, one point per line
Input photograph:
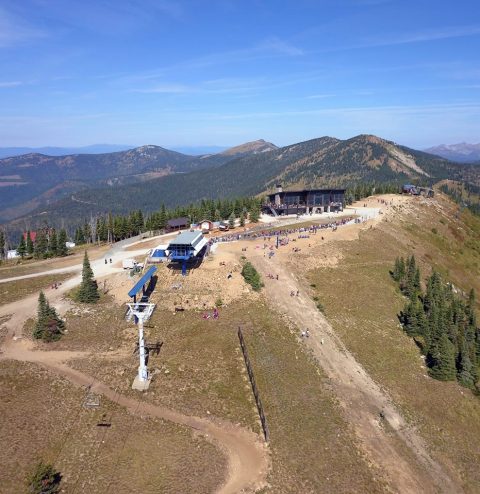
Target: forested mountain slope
x=316 y=163
x=33 y=180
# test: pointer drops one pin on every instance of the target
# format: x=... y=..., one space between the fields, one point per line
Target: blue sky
x=205 y=72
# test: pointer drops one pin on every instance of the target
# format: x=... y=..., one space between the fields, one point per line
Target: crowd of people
x=282 y=233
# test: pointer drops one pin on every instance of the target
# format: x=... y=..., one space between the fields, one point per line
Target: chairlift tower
x=141 y=312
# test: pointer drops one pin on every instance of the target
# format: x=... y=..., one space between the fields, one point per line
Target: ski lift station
x=159 y=253
x=187 y=248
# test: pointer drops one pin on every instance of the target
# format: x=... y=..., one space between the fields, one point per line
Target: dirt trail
x=361 y=398
x=247 y=456
x=248 y=461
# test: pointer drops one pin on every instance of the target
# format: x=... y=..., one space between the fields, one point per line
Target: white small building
x=70 y=245
x=206 y=226
x=12 y=254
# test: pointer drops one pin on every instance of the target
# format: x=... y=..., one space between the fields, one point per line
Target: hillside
x=319 y=162
x=462 y=152
x=358 y=384
x=34 y=179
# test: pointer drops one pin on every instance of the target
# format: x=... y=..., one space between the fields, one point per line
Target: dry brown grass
x=362 y=303
x=99 y=327
x=200 y=371
x=313 y=448
x=16 y=290
x=42 y=417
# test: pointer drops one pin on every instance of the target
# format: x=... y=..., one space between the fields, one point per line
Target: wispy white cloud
x=10 y=84
x=320 y=96
x=423 y=36
x=14 y=30
x=412 y=110
x=167 y=89
x=266 y=49
x=279 y=46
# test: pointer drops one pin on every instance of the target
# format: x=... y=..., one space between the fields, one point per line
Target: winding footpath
x=247 y=456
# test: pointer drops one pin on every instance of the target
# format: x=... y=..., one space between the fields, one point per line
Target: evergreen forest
x=443 y=323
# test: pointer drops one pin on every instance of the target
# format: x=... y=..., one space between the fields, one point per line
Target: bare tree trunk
x=93 y=228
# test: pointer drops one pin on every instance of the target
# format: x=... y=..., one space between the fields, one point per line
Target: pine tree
x=48 y=327
x=465 y=369
x=41 y=245
x=254 y=214
x=30 y=246
x=44 y=480
x=88 y=291
x=162 y=221
x=413 y=318
x=53 y=244
x=87 y=233
x=22 y=248
x=231 y=220
x=416 y=284
x=472 y=319
x=242 y=219
x=79 y=236
x=62 y=249
x=396 y=270
x=441 y=359
x=2 y=245
x=408 y=285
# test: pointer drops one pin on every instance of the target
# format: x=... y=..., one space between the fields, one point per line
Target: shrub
x=252 y=277
x=44 y=480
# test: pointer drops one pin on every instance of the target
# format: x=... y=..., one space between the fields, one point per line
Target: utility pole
x=141 y=313
x=142 y=368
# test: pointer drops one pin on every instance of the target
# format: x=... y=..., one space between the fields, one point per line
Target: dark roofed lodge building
x=178 y=224
x=304 y=201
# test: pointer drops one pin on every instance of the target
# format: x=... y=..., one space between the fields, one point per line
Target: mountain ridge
x=10 y=152
x=29 y=179
x=462 y=152
x=321 y=162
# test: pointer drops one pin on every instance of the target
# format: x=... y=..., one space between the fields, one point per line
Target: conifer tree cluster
x=110 y=228
x=88 y=291
x=47 y=244
x=442 y=322
x=365 y=189
x=467 y=195
x=49 y=326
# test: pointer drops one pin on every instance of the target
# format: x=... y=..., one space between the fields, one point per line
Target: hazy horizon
x=182 y=74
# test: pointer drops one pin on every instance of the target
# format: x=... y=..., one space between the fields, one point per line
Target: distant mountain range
x=461 y=152
x=61 y=151
x=34 y=180
x=68 y=189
